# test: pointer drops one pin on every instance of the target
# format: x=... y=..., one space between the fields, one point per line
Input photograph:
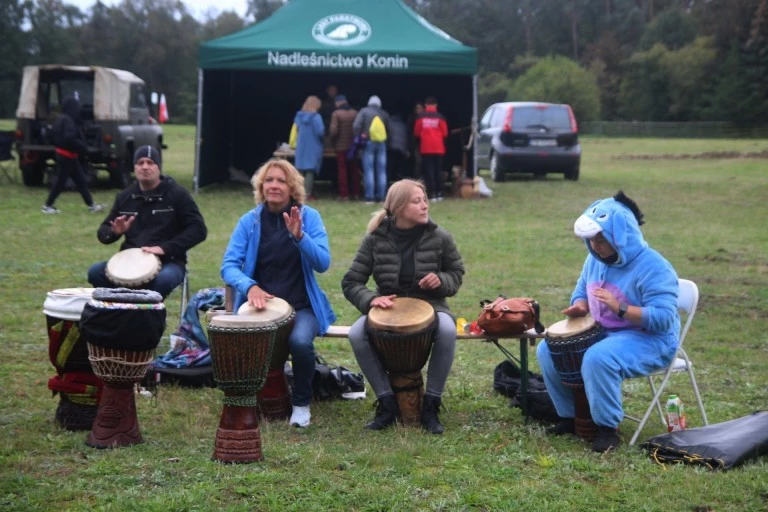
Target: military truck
x=114 y=110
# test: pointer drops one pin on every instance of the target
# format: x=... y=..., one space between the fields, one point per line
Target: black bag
x=190 y=377
x=717 y=446
x=506 y=380
x=331 y=382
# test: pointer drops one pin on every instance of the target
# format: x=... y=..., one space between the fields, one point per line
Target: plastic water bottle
x=461 y=325
x=675 y=414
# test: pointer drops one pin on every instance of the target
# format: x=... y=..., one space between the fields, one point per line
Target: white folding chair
x=687 y=301
x=184 y=294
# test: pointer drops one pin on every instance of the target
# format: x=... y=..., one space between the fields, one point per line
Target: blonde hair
x=311 y=104
x=293 y=178
x=398 y=197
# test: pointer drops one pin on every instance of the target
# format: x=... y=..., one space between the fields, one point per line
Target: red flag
x=163 y=114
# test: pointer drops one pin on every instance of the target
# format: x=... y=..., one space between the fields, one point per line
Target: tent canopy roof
x=374 y=36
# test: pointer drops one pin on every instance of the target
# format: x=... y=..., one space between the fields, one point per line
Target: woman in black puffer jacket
x=408 y=255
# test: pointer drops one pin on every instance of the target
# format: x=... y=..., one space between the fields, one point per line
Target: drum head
x=277 y=310
x=132 y=267
x=405 y=316
x=67 y=303
x=571 y=327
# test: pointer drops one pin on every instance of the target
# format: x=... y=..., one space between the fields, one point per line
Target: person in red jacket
x=431 y=130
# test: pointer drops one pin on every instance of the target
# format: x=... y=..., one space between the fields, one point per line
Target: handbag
x=509 y=317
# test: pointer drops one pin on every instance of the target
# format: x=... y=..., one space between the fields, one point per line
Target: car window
x=80 y=89
x=485 y=122
x=499 y=114
x=138 y=96
x=554 y=116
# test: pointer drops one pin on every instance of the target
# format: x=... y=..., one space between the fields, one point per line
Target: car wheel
x=32 y=174
x=573 y=174
x=120 y=177
x=497 y=174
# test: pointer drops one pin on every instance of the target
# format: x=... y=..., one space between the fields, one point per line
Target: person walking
x=70 y=146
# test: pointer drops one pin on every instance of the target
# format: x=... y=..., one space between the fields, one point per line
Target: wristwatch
x=623 y=307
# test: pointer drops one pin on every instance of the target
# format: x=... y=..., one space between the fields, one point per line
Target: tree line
x=636 y=60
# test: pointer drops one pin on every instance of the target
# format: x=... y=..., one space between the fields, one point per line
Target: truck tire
x=32 y=174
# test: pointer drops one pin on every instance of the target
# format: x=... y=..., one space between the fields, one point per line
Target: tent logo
x=341 y=30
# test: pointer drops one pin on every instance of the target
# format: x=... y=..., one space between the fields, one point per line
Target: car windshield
x=552 y=117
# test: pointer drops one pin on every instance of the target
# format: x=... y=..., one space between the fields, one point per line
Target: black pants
x=69 y=168
x=432 y=174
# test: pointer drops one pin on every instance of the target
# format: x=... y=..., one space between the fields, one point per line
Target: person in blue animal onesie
x=631 y=290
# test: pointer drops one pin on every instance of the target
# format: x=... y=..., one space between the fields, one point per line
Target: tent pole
x=198 y=129
x=474 y=126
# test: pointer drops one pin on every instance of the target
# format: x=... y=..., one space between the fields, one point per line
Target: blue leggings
x=621 y=355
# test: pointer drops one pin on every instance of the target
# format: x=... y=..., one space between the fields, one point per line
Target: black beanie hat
x=148 y=152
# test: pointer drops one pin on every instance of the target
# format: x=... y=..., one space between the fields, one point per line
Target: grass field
x=706 y=215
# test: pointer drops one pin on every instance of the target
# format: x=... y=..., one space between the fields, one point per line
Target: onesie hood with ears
x=617 y=219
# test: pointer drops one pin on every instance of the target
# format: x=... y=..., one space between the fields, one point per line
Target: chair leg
x=658 y=403
x=184 y=295
x=649 y=410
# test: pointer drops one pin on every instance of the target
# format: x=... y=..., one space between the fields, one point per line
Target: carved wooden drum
x=568 y=340
x=402 y=336
x=133 y=268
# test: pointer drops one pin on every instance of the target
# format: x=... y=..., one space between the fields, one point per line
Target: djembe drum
x=402 y=336
x=133 y=268
x=567 y=341
x=241 y=352
x=79 y=389
x=122 y=328
x=274 y=399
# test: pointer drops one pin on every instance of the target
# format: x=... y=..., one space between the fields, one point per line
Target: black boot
x=387 y=412
x=607 y=439
x=430 y=407
x=564 y=426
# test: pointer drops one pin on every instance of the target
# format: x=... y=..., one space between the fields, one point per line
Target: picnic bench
x=526 y=339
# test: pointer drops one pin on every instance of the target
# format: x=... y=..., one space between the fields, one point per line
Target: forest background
x=612 y=60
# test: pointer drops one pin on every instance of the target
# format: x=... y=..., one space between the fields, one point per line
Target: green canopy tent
x=251 y=83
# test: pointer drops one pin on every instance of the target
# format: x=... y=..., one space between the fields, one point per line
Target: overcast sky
x=197 y=7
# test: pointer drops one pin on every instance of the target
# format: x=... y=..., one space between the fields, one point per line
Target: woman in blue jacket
x=309 y=142
x=274 y=251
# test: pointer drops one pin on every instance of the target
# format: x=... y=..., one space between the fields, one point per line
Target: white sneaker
x=49 y=209
x=96 y=207
x=300 y=416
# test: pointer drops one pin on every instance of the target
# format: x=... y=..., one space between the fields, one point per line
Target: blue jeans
x=170 y=276
x=375 y=162
x=301 y=344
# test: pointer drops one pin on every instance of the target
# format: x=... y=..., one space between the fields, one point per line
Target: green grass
x=707 y=216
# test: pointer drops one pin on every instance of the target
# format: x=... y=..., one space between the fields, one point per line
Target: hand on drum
x=430 y=282
x=122 y=224
x=258 y=297
x=293 y=222
x=383 y=301
x=577 y=310
x=155 y=249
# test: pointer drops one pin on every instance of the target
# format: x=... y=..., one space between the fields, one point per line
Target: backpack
x=377 y=131
x=293 y=136
x=506 y=380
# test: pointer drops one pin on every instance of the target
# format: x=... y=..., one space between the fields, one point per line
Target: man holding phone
x=157 y=215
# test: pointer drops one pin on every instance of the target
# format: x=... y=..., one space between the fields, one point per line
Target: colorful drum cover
x=125 y=319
